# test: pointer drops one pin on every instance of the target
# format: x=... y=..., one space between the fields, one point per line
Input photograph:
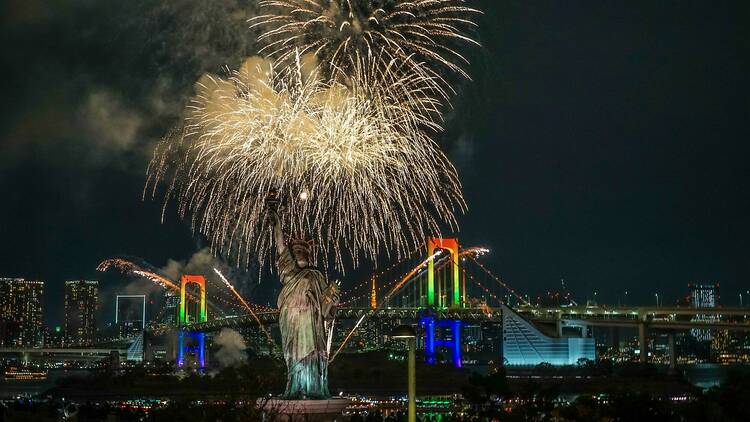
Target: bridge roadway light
x=407 y=333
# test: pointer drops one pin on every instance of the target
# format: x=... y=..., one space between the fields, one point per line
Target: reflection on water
x=709 y=375
x=11 y=388
x=701 y=375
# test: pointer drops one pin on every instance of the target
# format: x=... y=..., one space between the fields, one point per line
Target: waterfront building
x=524 y=344
x=21 y=313
x=81 y=298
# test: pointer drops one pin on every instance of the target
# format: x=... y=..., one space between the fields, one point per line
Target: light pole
x=657 y=299
x=408 y=333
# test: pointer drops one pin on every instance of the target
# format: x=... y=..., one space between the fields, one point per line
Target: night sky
x=603 y=142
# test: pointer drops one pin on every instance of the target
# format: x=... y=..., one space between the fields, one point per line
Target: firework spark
x=131 y=268
x=419 y=33
x=135 y=270
x=372 y=178
x=246 y=305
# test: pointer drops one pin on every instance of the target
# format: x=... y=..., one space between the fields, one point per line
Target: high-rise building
x=703 y=296
x=81 y=298
x=21 y=313
x=171 y=308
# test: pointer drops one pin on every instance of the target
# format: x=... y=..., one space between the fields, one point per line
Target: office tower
x=170 y=309
x=80 y=312
x=703 y=296
x=21 y=313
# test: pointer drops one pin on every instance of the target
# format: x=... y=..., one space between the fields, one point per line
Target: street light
x=408 y=333
x=657 y=299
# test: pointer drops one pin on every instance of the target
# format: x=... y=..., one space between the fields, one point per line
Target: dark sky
x=603 y=142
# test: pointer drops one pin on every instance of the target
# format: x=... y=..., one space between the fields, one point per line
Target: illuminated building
x=703 y=296
x=81 y=298
x=130 y=314
x=524 y=344
x=21 y=313
x=171 y=308
x=492 y=333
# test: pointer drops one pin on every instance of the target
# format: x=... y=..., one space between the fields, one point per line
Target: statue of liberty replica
x=306 y=302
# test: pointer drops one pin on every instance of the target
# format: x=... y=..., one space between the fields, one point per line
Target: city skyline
x=380 y=210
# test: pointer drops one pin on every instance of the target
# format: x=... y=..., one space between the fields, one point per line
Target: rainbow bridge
x=441 y=290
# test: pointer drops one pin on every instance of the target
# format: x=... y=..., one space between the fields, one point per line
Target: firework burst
x=348 y=158
x=341 y=33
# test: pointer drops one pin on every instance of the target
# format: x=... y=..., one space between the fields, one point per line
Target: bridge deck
x=595 y=316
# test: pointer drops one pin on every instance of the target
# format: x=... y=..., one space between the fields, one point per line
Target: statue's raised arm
x=278 y=233
x=275 y=221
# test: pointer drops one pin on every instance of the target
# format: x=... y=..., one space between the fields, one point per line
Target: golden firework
x=348 y=158
x=342 y=33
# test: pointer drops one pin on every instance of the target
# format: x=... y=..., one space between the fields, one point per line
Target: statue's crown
x=304 y=243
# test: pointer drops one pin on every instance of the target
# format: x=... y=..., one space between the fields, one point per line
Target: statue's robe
x=303 y=307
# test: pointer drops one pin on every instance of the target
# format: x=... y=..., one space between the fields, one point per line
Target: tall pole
x=412 y=380
x=373 y=294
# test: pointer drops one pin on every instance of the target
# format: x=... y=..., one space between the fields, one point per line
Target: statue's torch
x=272 y=201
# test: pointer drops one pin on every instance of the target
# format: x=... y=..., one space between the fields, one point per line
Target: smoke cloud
x=107 y=89
x=231 y=348
x=202 y=262
x=108 y=121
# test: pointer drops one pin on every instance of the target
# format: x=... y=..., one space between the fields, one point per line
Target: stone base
x=280 y=410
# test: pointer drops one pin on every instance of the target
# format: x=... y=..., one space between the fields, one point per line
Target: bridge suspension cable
x=377 y=275
x=502 y=283
x=481 y=286
x=382 y=301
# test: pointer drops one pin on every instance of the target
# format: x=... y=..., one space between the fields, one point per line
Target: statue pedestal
x=303 y=410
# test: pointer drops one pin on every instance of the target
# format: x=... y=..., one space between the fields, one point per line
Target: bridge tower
x=374 y=294
x=429 y=322
x=184 y=321
x=451 y=245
